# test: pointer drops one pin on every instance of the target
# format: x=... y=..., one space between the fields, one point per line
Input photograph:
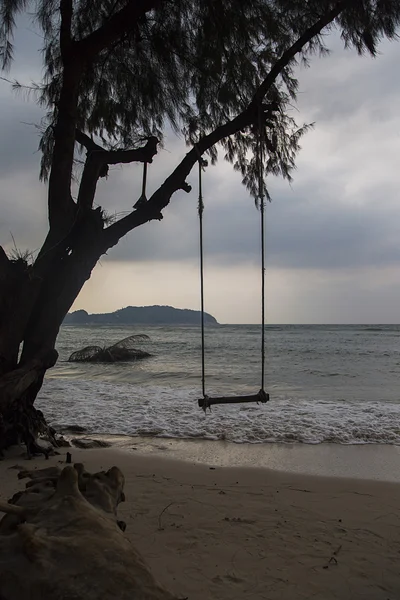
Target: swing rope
x=261 y=197
x=143 y=199
x=200 y=208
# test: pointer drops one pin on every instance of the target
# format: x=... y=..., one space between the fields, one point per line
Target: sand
x=246 y=533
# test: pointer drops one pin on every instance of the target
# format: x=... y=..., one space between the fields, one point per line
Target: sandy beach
x=255 y=533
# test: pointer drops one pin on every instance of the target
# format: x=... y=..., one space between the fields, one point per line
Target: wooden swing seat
x=207 y=401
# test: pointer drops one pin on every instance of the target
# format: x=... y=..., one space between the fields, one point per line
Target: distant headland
x=141 y=315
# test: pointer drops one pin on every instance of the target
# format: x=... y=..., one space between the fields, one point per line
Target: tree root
x=24 y=424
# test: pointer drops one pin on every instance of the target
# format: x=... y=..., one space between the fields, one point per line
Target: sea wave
x=164 y=411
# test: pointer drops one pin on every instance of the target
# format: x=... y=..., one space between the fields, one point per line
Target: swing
x=262 y=396
x=143 y=199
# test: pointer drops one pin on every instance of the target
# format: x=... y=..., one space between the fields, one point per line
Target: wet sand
x=230 y=533
x=360 y=461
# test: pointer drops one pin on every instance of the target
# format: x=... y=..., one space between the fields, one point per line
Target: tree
x=116 y=73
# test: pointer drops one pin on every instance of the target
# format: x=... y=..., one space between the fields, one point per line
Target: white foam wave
x=104 y=407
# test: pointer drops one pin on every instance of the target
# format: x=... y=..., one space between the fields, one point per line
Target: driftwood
x=61 y=540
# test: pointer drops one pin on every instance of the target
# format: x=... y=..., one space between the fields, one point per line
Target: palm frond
x=122 y=351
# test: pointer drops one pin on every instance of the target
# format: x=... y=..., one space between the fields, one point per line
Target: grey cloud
x=22 y=197
x=332 y=236
x=309 y=226
x=19 y=138
x=27 y=58
x=350 y=296
x=326 y=220
x=23 y=215
x=339 y=85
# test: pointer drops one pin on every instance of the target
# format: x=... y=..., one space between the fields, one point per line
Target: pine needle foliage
x=193 y=65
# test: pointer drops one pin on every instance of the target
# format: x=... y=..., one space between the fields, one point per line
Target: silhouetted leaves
x=194 y=64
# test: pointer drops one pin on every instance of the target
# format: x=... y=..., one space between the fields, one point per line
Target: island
x=141 y=315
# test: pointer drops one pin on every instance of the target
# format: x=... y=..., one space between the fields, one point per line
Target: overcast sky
x=333 y=236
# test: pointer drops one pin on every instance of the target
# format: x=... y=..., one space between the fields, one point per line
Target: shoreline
x=256 y=533
x=373 y=462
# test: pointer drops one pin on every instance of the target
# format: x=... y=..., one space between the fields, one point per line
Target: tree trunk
x=19 y=420
x=33 y=303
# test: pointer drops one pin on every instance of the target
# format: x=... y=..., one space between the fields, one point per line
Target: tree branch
x=60 y=205
x=114 y=27
x=77 y=55
x=86 y=141
x=144 y=154
x=4 y=262
x=160 y=199
x=291 y=52
x=66 y=12
x=98 y=158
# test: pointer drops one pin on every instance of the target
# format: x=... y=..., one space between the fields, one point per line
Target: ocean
x=336 y=384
